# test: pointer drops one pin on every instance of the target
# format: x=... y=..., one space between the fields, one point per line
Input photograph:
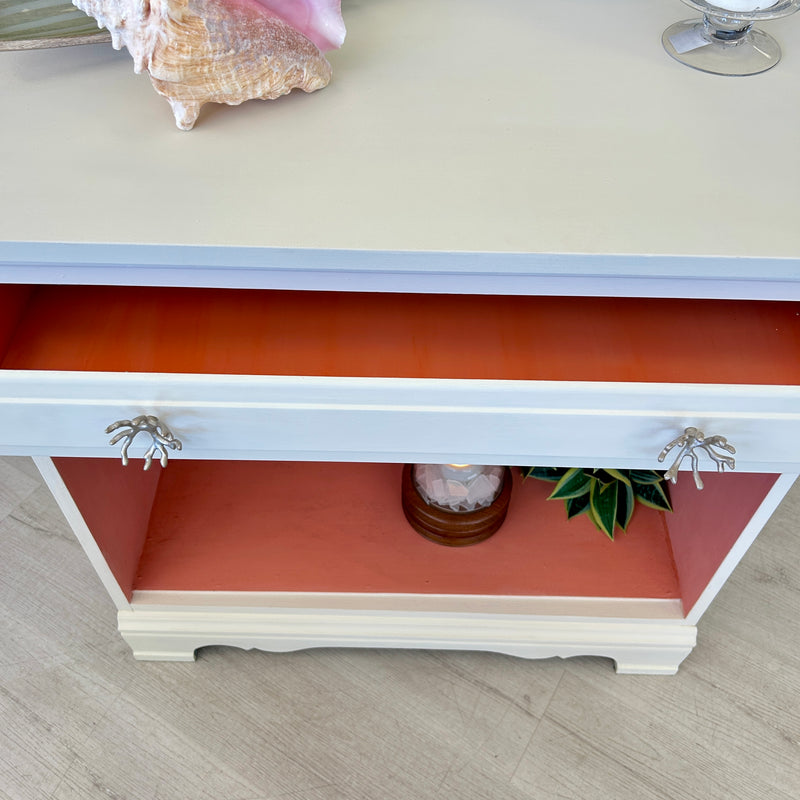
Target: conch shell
x=223 y=51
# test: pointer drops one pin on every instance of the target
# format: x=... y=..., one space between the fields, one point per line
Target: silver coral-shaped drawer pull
x=692 y=440
x=161 y=437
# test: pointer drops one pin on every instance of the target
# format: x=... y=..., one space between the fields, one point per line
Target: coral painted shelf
x=312 y=527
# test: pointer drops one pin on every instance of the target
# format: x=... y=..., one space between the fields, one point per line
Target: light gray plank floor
x=79 y=718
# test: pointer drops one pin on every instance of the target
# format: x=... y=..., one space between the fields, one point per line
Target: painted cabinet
x=278 y=524
x=561 y=257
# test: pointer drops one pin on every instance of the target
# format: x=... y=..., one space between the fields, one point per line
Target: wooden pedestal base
x=452 y=528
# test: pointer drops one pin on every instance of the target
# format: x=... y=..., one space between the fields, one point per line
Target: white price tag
x=687 y=40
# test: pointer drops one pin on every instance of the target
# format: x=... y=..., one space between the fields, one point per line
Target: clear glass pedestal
x=726 y=42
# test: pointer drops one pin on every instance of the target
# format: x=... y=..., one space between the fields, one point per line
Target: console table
x=526 y=237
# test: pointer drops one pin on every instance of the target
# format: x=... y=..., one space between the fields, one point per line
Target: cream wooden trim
x=636 y=646
x=628 y=608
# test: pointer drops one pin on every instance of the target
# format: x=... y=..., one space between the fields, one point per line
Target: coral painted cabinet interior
x=278 y=525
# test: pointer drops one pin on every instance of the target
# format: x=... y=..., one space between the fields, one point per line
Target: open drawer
x=249 y=374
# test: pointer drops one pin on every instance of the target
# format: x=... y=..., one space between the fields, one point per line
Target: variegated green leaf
x=552 y=474
x=645 y=476
x=573 y=484
x=602 y=475
x=577 y=505
x=653 y=495
x=593 y=517
x=604 y=507
x=626 y=500
x=620 y=475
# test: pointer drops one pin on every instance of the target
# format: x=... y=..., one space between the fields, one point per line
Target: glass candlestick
x=724 y=41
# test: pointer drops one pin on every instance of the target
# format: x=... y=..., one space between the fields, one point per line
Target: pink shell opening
x=318 y=20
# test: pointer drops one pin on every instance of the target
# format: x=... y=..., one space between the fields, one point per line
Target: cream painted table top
x=462 y=146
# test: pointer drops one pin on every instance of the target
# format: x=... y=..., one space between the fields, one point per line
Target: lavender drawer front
x=255 y=417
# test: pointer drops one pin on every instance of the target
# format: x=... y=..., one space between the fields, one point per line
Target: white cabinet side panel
x=736 y=553
x=84 y=536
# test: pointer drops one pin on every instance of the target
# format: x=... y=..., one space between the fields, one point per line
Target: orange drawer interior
x=209 y=331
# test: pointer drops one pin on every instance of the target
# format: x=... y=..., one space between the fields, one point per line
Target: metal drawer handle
x=161 y=436
x=692 y=440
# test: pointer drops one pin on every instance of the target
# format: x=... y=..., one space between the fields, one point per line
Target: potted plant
x=606 y=496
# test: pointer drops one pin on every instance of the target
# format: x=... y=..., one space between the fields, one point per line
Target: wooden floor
x=79 y=718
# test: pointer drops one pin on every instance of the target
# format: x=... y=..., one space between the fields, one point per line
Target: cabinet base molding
x=636 y=646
